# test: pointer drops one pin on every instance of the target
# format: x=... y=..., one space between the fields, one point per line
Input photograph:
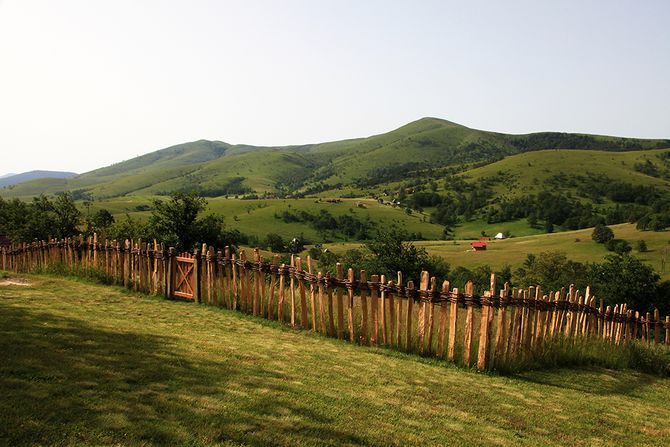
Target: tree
x=102 y=218
x=626 y=279
x=618 y=246
x=602 y=234
x=173 y=221
x=66 y=216
x=552 y=270
x=274 y=243
x=641 y=246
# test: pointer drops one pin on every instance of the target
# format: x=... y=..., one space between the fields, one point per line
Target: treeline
x=347 y=225
x=558 y=140
x=552 y=208
x=178 y=222
x=232 y=187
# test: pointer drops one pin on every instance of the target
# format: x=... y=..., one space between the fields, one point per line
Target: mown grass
x=87 y=364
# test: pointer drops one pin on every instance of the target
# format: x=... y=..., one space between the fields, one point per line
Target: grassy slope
x=513 y=251
x=429 y=141
x=256 y=217
x=530 y=170
x=86 y=364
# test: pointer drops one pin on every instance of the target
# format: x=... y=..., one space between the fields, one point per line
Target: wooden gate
x=184 y=276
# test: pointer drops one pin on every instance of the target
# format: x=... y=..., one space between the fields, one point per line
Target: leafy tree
x=174 y=221
x=626 y=279
x=274 y=243
x=618 y=246
x=66 y=216
x=641 y=246
x=602 y=234
x=102 y=219
x=296 y=245
x=552 y=270
x=128 y=228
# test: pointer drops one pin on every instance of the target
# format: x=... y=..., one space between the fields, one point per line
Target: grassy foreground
x=88 y=364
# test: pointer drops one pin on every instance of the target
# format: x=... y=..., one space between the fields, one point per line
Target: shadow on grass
x=65 y=382
x=604 y=382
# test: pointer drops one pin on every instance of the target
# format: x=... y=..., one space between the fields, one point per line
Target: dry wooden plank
x=484 y=332
x=350 y=305
x=322 y=316
x=273 y=286
x=421 y=323
x=374 y=307
x=398 y=323
x=339 y=274
x=430 y=319
x=312 y=293
x=282 y=296
x=410 y=309
x=382 y=309
x=304 y=323
x=331 y=311
x=292 y=291
x=453 y=320
x=363 y=336
x=228 y=288
x=469 y=325
x=442 y=325
x=392 y=313
x=501 y=326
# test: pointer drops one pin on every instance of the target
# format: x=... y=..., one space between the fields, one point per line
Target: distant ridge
x=354 y=166
x=15 y=179
x=7 y=175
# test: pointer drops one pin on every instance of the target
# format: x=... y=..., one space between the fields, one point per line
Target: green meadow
x=92 y=365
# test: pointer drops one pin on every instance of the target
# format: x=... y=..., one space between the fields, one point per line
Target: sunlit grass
x=88 y=364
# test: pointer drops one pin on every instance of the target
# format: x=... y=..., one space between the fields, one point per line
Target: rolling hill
x=349 y=167
x=15 y=179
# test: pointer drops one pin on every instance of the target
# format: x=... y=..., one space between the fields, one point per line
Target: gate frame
x=171 y=280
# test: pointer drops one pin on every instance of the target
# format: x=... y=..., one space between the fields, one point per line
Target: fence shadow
x=614 y=385
x=62 y=377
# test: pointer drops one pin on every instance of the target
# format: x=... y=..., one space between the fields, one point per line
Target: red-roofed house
x=478 y=246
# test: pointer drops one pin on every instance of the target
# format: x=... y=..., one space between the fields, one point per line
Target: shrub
x=602 y=234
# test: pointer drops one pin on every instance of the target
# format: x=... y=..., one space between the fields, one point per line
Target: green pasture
x=92 y=365
x=528 y=171
x=577 y=245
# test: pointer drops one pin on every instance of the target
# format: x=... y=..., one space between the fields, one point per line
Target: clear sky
x=87 y=83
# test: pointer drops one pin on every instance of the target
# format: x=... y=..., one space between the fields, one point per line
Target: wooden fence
x=500 y=325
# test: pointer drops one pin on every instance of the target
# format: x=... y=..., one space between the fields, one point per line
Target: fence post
x=339 y=274
x=169 y=273
x=442 y=327
x=197 y=266
x=469 y=316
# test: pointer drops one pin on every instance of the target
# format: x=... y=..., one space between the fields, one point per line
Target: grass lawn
x=88 y=364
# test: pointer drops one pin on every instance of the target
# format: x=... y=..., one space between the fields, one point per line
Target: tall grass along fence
x=499 y=327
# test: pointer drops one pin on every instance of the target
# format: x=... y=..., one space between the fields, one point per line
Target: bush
x=618 y=246
x=641 y=246
x=602 y=234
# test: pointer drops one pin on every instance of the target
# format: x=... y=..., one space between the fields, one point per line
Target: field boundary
x=487 y=331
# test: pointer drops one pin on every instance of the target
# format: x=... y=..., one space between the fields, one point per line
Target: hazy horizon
x=85 y=86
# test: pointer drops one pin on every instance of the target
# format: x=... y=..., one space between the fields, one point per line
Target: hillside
x=532 y=172
x=349 y=167
x=15 y=179
x=93 y=365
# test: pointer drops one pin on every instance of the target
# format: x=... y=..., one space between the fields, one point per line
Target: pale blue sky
x=87 y=83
